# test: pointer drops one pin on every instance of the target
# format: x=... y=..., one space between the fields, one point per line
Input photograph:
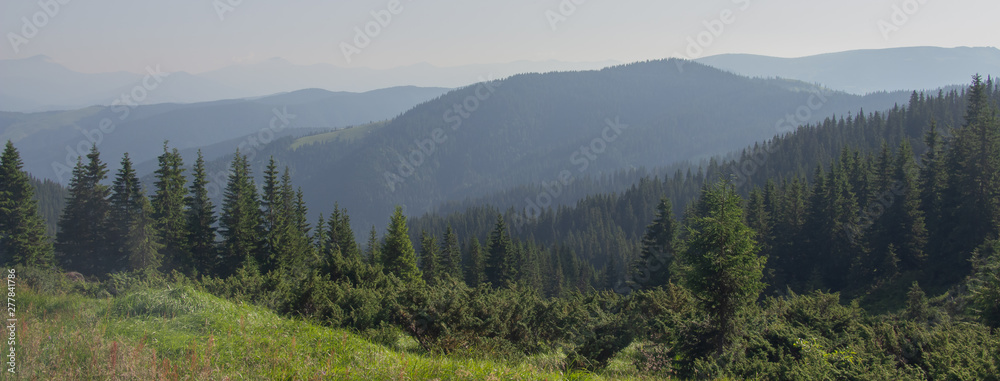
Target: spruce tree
x=242 y=222
x=724 y=271
x=904 y=217
x=22 y=232
x=133 y=233
x=82 y=240
x=374 y=252
x=397 y=250
x=659 y=246
x=275 y=232
x=200 y=220
x=142 y=243
x=501 y=258
x=429 y=261
x=973 y=194
x=475 y=271
x=933 y=182
x=168 y=211
x=451 y=254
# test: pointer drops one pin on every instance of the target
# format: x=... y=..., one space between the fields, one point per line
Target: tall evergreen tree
x=289 y=240
x=451 y=254
x=275 y=218
x=82 y=240
x=974 y=185
x=341 y=246
x=142 y=242
x=242 y=222
x=133 y=233
x=397 y=250
x=724 y=271
x=904 y=217
x=374 y=251
x=429 y=261
x=659 y=246
x=201 y=220
x=933 y=182
x=22 y=232
x=168 y=210
x=475 y=270
x=501 y=257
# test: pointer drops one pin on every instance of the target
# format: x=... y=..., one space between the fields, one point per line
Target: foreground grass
x=183 y=334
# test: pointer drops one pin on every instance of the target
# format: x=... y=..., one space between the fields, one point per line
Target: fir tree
x=904 y=217
x=475 y=271
x=241 y=223
x=724 y=269
x=22 y=232
x=201 y=220
x=397 y=250
x=374 y=252
x=933 y=182
x=275 y=229
x=501 y=258
x=659 y=246
x=141 y=244
x=974 y=185
x=82 y=241
x=451 y=254
x=133 y=232
x=168 y=210
x=429 y=261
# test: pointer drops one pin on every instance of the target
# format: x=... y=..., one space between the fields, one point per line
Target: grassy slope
x=186 y=334
x=348 y=134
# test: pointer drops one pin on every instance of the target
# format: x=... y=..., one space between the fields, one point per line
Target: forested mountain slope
x=789 y=181
x=532 y=128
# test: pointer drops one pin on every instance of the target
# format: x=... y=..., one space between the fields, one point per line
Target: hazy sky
x=190 y=35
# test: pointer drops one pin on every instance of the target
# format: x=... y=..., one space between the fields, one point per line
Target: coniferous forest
x=862 y=247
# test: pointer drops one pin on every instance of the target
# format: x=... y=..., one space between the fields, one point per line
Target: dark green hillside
x=602 y=228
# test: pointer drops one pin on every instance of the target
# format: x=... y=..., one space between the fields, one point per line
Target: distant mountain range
x=865 y=71
x=49 y=141
x=39 y=84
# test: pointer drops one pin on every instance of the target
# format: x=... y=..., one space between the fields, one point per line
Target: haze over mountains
x=865 y=71
x=39 y=84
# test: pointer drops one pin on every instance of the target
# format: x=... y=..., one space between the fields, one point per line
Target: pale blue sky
x=188 y=35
